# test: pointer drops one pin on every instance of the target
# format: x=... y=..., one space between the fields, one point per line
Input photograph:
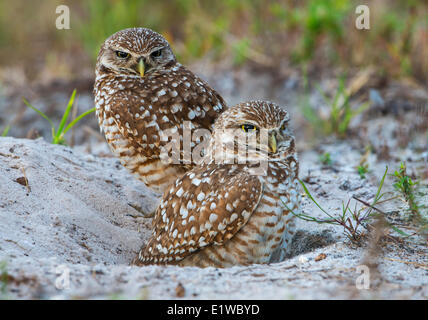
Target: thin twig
x=369 y=205
x=26 y=180
x=73 y=129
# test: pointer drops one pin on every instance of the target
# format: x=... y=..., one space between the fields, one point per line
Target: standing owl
x=141 y=91
x=235 y=207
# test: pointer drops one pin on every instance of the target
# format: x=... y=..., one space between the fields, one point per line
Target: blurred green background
x=314 y=34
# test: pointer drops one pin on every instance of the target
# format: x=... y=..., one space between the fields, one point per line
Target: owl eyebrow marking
x=157 y=48
x=249 y=122
x=120 y=49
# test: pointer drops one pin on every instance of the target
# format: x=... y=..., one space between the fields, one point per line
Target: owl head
x=252 y=131
x=134 y=51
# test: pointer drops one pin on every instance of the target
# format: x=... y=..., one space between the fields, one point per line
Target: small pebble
x=179 y=290
x=320 y=257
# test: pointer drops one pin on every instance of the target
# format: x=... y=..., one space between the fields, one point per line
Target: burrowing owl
x=141 y=90
x=229 y=210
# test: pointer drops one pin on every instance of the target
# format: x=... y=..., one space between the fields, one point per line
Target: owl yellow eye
x=122 y=54
x=248 y=127
x=284 y=125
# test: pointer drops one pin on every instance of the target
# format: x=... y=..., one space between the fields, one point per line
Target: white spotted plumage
x=236 y=217
x=133 y=110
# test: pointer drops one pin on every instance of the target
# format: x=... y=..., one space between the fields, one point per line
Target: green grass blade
x=322 y=93
x=340 y=92
x=362 y=108
x=5 y=131
x=306 y=217
x=72 y=123
x=59 y=132
x=39 y=112
x=399 y=231
x=314 y=201
x=377 y=197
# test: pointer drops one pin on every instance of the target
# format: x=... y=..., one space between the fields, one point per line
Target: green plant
x=363 y=167
x=340 y=111
x=241 y=50
x=351 y=219
x=406 y=186
x=325 y=159
x=59 y=133
x=319 y=18
x=5 y=131
x=362 y=170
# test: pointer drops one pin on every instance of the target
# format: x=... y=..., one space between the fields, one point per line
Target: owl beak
x=272 y=143
x=141 y=67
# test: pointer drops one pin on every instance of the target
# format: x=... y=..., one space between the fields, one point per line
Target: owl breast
x=141 y=159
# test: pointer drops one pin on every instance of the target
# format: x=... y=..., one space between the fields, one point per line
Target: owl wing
x=163 y=103
x=207 y=206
